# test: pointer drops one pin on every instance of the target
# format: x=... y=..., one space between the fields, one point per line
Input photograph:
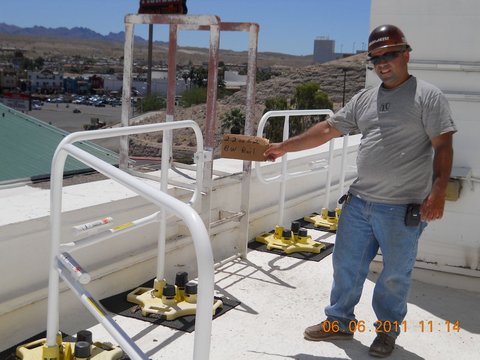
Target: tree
x=265 y=74
x=26 y=64
x=233 y=122
x=274 y=127
x=200 y=77
x=309 y=96
x=276 y=103
x=185 y=77
x=39 y=62
x=151 y=103
x=194 y=96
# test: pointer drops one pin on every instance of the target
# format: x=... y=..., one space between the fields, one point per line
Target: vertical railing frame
x=284 y=175
x=212 y=24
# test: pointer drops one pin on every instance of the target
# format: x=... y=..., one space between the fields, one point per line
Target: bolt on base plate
x=290 y=243
x=327 y=219
x=154 y=301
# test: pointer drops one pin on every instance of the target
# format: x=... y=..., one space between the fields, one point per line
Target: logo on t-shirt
x=385 y=107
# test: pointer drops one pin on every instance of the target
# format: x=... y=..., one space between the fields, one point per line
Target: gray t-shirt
x=394 y=161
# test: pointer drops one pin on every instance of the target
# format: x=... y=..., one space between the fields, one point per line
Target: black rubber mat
x=118 y=304
x=308 y=225
x=255 y=245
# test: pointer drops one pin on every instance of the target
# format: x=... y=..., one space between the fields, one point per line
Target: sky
x=286 y=26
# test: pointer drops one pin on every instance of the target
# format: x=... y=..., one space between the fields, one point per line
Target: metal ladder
x=214 y=25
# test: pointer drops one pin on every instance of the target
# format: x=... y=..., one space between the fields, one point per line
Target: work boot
x=382 y=346
x=319 y=332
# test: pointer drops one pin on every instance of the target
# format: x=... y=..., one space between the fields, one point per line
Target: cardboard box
x=244 y=147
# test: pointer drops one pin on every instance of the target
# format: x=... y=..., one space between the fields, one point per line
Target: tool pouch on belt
x=345 y=198
x=412 y=215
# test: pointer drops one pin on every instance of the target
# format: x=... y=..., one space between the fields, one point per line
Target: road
x=63 y=117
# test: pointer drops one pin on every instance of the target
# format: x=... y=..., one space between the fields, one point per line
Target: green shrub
x=194 y=96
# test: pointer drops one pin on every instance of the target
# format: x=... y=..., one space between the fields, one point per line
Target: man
x=404 y=158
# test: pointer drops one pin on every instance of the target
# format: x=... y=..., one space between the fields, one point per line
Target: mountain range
x=81 y=33
x=37 y=41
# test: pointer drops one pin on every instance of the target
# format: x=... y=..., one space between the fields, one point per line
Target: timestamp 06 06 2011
x=386 y=326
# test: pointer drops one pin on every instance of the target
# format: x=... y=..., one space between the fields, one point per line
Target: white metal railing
x=314 y=167
x=64 y=265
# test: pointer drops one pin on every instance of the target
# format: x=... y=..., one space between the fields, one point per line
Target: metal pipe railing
x=284 y=174
x=141 y=129
x=285 y=114
x=164 y=201
x=102 y=315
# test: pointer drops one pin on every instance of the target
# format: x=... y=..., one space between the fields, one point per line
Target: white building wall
x=444 y=30
x=446 y=53
x=159 y=85
x=234 y=80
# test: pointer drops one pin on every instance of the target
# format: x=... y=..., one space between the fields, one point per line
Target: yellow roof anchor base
x=327 y=219
x=169 y=301
x=290 y=240
x=82 y=348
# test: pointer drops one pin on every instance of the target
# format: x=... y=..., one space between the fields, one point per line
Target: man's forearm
x=442 y=167
x=433 y=206
x=315 y=136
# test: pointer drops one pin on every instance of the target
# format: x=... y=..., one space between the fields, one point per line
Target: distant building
x=233 y=80
x=323 y=49
x=45 y=81
x=96 y=83
x=139 y=82
x=79 y=85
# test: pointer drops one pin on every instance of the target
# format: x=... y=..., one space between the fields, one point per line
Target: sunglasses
x=385 y=57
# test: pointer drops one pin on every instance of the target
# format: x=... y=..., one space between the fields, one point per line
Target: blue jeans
x=363 y=228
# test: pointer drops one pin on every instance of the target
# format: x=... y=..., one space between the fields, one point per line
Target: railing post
x=249 y=121
x=126 y=91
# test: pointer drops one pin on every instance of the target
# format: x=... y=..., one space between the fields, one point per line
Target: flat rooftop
x=280 y=296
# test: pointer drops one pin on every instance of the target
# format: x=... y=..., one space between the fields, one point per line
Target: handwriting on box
x=244 y=147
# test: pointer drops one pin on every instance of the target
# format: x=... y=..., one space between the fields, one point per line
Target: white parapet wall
x=126 y=261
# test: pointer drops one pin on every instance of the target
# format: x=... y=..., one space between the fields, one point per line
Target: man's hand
x=432 y=207
x=274 y=151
